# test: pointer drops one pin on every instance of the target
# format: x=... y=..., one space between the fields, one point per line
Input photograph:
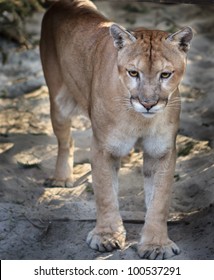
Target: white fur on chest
x=157 y=145
x=119 y=144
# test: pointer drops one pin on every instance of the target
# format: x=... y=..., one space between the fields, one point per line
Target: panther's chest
x=157 y=139
x=120 y=142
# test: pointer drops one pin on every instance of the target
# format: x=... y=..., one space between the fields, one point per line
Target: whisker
x=173 y=106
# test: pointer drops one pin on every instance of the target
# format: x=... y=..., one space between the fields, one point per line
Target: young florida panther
x=127 y=83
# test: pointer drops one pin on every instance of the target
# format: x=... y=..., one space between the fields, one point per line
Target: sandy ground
x=37 y=222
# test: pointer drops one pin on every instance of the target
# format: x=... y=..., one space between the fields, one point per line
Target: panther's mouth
x=149 y=108
x=149 y=114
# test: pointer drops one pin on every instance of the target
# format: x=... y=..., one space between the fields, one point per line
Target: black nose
x=148 y=104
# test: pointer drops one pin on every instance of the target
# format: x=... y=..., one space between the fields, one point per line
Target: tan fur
x=87 y=62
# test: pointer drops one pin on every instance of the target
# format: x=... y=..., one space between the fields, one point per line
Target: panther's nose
x=148 y=104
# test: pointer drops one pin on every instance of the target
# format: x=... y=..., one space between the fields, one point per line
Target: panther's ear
x=121 y=36
x=182 y=38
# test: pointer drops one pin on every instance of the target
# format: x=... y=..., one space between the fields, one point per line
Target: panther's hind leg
x=62 y=107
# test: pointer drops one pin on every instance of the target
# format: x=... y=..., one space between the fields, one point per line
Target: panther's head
x=151 y=64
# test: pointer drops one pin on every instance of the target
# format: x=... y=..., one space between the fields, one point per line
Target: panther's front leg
x=158 y=178
x=109 y=232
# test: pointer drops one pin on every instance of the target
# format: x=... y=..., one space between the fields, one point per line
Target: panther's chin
x=149 y=115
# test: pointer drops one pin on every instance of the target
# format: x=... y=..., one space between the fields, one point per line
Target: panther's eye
x=165 y=75
x=133 y=73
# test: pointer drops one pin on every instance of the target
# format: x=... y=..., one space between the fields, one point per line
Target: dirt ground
x=37 y=222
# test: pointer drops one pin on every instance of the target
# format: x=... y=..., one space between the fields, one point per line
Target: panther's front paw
x=58 y=183
x=106 y=241
x=160 y=252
